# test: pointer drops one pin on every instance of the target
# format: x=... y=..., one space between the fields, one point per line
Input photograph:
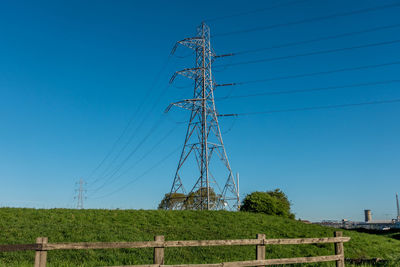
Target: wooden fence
x=159 y=244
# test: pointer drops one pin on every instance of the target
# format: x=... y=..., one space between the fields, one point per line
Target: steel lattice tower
x=398 y=207
x=203 y=137
x=80 y=197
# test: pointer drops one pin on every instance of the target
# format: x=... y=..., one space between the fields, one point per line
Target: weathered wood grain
x=192 y=243
x=159 y=251
x=42 y=246
x=260 y=249
x=41 y=255
x=19 y=247
x=339 y=250
x=249 y=263
x=185 y=243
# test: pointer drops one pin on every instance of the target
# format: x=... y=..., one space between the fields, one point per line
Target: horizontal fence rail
x=42 y=246
x=171 y=244
x=249 y=263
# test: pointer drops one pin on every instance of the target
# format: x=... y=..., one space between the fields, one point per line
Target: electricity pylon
x=80 y=197
x=398 y=207
x=203 y=137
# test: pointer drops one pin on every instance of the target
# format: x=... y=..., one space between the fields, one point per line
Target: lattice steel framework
x=80 y=191
x=203 y=137
x=398 y=207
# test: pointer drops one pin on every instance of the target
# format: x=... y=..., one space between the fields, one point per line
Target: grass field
x=63 y=225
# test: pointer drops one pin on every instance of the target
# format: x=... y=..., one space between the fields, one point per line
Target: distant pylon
x=203 y=137
x=80 y=194
x=398 y=208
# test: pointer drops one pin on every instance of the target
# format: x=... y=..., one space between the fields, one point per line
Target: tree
x=270 y=202
x=172 y=201
x=191 y=201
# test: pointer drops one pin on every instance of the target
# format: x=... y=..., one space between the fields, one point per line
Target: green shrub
x=270 y=202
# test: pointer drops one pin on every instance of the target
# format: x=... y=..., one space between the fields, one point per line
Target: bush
x=192 y=201
x=270 y=202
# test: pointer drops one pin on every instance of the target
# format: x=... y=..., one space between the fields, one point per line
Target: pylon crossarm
x=224 y=84
x=227 y=115
x=190 y=73
x=187 y=104
x=182 y=104
x=224 y=55
x=191 y=42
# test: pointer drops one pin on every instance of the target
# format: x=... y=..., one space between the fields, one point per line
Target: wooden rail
x=42 y=246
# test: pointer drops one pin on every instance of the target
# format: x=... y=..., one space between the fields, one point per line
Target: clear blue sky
x=73 y=73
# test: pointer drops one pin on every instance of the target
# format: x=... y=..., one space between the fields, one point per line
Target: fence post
x=339 y=250
x=159 y=251
x=260 y=249
x=41 y=255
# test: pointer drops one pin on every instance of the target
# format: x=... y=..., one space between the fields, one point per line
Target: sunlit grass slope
x=63 y=225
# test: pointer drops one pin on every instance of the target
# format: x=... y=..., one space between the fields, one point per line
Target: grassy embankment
x=61 y=225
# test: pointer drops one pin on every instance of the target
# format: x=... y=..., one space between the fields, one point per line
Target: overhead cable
x=279 y=25
x=321 y=52
x=153 y=167
x=379 y=102
x=295 y=91
x=160 y=141
x=256 y=10
x=330 y=37
x=129 y=124
x=303 y=75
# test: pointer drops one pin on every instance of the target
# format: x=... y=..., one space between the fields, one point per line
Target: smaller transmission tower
x=80 y=194
x=398 y=208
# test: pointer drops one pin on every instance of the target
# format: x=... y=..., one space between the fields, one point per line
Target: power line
x=138 y=161
x=315 y=108
x=317 y=73
x=230 y=127
x=143 y=174
x=312 y=40
x=309 y=90
x=183 y=86
x=129 y=124
x=111 y=171
x=342 y=14
x=160 y=141
x=119 y=167
x=184 y=56
x=256 y=10
x=310 y=53
x=153 y=128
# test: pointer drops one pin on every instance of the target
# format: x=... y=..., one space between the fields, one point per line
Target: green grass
x=19 y=226
x=393 y=233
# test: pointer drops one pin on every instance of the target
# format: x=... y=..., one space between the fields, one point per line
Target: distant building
x=371 y=225
x=368 y=215
x=368 y=223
